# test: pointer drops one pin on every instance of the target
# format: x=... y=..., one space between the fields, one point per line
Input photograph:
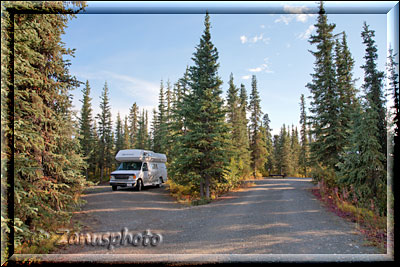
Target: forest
x=213 y=142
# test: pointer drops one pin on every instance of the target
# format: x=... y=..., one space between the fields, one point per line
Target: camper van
x=139 y=168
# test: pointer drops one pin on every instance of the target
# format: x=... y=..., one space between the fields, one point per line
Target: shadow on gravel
x=276 y=216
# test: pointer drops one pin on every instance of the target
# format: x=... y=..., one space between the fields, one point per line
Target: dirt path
x=276 y=216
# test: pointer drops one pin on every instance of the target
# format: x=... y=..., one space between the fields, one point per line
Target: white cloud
x=246 y=77
x=263 y=67
x=285 y=19
x=305 y=35
x=254 y=39
x=295 y=9
x=256 y=69
x=262 y=26
x=296 y=12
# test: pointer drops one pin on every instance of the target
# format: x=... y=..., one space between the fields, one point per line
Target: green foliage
x=105 y=133
x=237 y=122
x=203 y=145
x=304 y=143
x=47 y=162
x=373 y=84
x=86 y=138
x=324 y=106
x=119 y=141
x=133 y=124
x=257 y=143
x=362 y=163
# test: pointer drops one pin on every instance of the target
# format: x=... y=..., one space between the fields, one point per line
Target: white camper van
x=139 y=168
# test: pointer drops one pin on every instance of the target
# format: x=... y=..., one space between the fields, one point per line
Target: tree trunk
x=207 y=188
x=101 y=173
x=201 y=189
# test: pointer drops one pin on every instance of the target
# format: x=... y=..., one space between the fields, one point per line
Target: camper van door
x=145 y=171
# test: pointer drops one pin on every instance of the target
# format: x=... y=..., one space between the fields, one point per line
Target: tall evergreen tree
x=141 y=135
x=363 y=162
x=243 y=132
x=119 y=140
x=133 y=124
x=285 y=152
x=268 y=144
x=303 y=157
x=295 y=150
x=277 y=163
x=47 y=165
x=86 y=129
x=346 y=89
x=160 y=126
x=126 y=141
x=105 y=133
x=373 y=84
x=258 y=151
x=324 y=106
x=393 y=77
x=233 y=118
x=204 y=143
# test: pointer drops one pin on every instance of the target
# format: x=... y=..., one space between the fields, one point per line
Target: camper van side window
x=154 y=166
x=144 y=168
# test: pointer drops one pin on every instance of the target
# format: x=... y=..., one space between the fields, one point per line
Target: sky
x=134 y=52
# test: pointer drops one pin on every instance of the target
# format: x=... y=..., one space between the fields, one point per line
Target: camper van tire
x=139 y=185
x=160 y=182
x=114 y=188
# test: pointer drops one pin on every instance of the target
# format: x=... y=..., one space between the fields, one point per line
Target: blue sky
x=134 y=52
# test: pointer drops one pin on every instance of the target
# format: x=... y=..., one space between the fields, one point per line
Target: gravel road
x=276 y=216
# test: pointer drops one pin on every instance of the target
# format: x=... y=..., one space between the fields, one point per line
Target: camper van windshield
x=130 y=166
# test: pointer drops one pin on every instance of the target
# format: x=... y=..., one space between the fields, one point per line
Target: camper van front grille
x=122 y=176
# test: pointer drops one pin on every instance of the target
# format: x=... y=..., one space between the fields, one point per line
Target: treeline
x=41 y=177
x=348 y=126
x=211 y=143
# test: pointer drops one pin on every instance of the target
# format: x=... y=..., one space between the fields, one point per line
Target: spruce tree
x=362 y=163
x=119 y=139
x=257 y=147
x=234 y=123
x=205 y=141
x=303 y=157
x=268 y=144
x=243 y=132
x=373 y=84
x=393 y=77
x=346 y=89
x=295 y=150
x=133 y=124
x=277 y=163
x=47 y=165
x=86 y=129
x=126 y=141
x=160 y=124
x=105 y=133
x=285 y=152
x=141 y=135
x=324 y=106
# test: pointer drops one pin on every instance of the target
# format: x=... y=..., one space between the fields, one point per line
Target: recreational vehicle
x=139 y=168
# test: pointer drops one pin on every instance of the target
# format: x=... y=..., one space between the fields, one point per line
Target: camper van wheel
x=114 y=188
x=139 y=185
x=160 y=181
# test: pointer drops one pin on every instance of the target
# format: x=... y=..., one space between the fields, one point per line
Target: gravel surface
x=276 y=216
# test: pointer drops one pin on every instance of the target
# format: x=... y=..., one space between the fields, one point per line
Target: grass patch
x=188 y=196
x=371 y=225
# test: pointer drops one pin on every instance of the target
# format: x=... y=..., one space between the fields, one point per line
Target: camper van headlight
x=132 y=177
x=112 y=177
